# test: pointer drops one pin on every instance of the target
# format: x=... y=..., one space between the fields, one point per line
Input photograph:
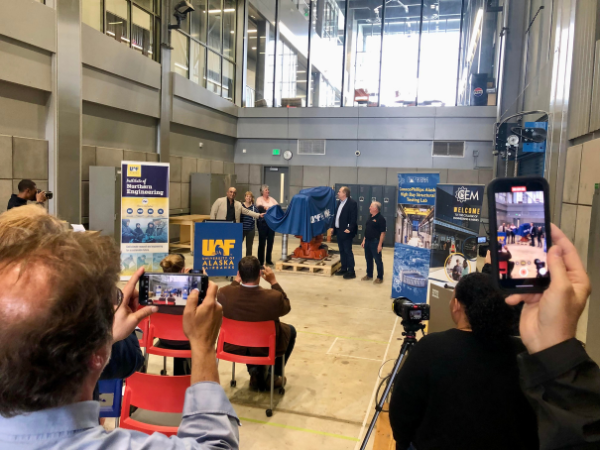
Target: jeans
x=249 y=236
x=346 y=255
x=265 y=235
x=370 y=253
x=260 y=370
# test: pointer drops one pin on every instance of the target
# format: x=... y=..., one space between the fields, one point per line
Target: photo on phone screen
x=170 y=289
x=521 y=233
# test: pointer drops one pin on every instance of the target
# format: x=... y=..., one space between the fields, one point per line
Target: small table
x=186 y=230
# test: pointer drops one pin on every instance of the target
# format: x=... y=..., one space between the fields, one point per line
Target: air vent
x=452 y=149
x=311 y=147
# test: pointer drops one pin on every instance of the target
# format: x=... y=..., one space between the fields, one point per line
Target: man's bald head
x=57 y=290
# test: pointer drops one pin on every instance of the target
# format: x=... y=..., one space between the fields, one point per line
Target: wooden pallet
x=324 y=267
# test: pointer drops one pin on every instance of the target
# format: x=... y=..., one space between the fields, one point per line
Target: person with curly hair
x=459 y=389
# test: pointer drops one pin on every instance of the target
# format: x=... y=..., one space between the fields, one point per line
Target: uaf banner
x=218 y=248
x=415 y=210
x=455 y=231
x=144 y=216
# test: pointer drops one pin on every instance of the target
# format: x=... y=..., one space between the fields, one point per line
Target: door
x=278 y=180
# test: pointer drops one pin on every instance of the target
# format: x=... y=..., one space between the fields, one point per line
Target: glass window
x=228 y=79
x=213 y=78
x=326 y=53
x=117 y=20
x=141 y=32
x=363 y=28
x=229 y=20
x=198 y=20
x=198 y=63
x=147 y=4
x=292 y=54
x=260 y=56
x=215 y=16
x=91 y=13
x=179 y=54
x=439 y=55
x=400 y=55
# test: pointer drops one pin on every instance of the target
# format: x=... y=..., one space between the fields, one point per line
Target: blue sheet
x=310 y=213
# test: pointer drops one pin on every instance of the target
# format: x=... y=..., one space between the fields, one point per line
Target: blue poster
x=414 y=224
x=411 y=272
x=218 y=248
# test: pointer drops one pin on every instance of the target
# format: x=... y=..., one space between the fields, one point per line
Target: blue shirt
x=209 y=422
x=248 y=221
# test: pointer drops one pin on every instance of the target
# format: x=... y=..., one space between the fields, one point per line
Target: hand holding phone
x=551 y=318
x=171 y=289
x=520 y=233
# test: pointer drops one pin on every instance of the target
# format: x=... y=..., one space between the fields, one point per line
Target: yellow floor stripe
x=343 y=337
x=290 y=427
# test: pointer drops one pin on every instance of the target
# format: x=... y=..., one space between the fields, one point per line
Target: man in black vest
x=345 y=228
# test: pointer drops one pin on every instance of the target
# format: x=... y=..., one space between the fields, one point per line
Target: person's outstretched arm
x=284 y=306
x=560 y=380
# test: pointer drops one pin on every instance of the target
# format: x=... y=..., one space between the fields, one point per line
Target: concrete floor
x=346 y=331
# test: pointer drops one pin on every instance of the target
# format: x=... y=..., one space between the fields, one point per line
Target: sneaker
x=366 y=278
x=349 y=276
x=339 y=273
x=378 y=281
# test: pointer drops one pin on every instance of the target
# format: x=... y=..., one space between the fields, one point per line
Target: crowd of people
x=65 y=325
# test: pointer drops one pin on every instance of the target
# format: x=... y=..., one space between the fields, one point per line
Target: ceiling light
x=251 y=31
x=253 y=48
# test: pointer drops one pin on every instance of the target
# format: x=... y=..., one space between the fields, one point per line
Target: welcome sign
x=218 y=248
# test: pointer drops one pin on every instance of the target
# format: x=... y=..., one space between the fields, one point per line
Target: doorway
x=278 y=180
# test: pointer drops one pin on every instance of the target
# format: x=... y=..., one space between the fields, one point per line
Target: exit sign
x=276 y=152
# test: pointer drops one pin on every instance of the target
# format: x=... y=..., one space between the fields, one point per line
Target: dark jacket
x=255 y=304
x=562 y=384
x=15 y=201
x=125 y=359
x=455 y=392
x=348 y=218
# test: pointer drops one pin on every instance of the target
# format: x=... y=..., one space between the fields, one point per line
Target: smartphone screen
x=522 y=233
x=170 y=289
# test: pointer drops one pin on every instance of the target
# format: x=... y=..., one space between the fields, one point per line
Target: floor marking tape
x=290 y=427
x=344 y=337
x=375 y=388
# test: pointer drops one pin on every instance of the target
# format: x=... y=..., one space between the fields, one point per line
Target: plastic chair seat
x=166 y=326
x=132 y=424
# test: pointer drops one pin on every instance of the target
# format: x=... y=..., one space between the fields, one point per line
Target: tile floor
x=346 y=331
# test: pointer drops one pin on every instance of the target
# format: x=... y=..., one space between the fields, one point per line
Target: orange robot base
x=311 y=250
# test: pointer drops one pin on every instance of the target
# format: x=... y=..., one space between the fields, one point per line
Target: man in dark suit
x=246 y=301
x=345 y=228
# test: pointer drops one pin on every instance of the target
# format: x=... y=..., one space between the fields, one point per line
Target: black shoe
x=270 y=263
x=349 y=276
x=339 y=273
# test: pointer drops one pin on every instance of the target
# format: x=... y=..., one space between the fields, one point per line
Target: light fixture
x=182 y=9
x=251 y=31
x=181 y=66
x=253 y=48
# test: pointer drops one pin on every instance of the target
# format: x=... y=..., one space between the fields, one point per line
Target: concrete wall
x=21 y=158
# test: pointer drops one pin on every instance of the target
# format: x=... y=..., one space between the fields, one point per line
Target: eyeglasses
x=119 y=297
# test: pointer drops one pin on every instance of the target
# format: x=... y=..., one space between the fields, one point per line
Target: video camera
x=410 y=312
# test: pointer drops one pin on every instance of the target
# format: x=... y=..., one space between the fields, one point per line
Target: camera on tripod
x=410 y=312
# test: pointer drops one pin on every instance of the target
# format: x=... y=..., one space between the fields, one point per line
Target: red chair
x=503 y=268
x=140 y=391
x=143 y=325
x=166 y=326
x=250 y=334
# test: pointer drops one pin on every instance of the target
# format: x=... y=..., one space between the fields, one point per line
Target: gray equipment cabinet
x=593 y=267
x=205 y=188
x=105 y=201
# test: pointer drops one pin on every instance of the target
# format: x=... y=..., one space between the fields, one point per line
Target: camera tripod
x=410 y=339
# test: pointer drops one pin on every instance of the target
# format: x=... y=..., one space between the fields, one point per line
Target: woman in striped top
x=249 y=222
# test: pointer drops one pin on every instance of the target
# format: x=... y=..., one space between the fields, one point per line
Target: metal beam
x=166 y=91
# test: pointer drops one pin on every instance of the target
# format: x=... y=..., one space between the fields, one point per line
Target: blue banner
x=309 y=214
x=417 y=188
x=218 y=248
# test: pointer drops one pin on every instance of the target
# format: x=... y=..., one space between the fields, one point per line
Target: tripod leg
x=386 y=393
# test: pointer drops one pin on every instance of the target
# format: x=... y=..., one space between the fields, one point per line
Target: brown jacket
x=255 y=304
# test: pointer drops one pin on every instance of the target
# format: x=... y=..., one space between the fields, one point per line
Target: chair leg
x=164 y=371
x=282 y=388
x=233 y=382
x=270 y=410
x=116 y=422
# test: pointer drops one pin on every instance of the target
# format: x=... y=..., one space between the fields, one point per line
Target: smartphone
x=171 y=289
x=519 y=210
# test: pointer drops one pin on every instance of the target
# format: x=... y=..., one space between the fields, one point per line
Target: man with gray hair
x=375 y=230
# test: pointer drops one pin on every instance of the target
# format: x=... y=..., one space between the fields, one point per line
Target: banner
x=416 y=202
x=144 y=216
x=309 y=214
x=455 y=231
x=218 y=248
